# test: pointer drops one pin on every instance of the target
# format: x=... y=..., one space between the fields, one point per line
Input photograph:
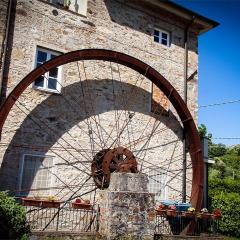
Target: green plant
x=229 y=203
x=12 y=219
x=66 y=3
x=217 y=150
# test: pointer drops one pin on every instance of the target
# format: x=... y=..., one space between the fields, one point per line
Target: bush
x=226 y=185
x=12 y=219
x=229 y=203
x=217 y=150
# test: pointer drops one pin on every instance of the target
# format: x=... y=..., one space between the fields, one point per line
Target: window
x=50 y=81
x=63 y=3
x=162 y=37
x=36 y=172
x=157 y=183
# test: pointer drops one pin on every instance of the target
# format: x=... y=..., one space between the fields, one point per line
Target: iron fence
x=83 y=220
x=179 y=224
x=61 y=219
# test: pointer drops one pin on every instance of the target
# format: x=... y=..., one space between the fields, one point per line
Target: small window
x=162 y=37
x=50 y=81
x=60 y=2
x=36 y=173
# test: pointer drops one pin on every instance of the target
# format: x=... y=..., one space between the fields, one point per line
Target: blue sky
x=219 y=68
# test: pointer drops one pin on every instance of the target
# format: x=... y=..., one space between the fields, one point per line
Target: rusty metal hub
x=108 y=161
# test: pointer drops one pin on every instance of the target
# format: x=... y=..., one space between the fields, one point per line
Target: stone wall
x=127 y=210
x=111 y=25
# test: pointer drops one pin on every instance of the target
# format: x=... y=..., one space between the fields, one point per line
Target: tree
x=224 y=186
x=12 y=219
x=217 y=150
x=202 y=130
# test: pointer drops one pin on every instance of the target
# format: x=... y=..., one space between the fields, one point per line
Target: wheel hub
x=108 y=161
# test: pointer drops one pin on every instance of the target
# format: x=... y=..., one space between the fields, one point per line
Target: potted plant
x=30 y=201
x=204 y=214
x=217 y=213
x=190 y=213
x=171 y=211
x=66 y=3
x=50 y=202
x=161 y=210
x=81 y=204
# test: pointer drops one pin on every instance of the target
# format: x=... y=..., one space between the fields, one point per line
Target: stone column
x=127 y=209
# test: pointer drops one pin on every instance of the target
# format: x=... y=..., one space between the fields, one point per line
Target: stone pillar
x=127 y=209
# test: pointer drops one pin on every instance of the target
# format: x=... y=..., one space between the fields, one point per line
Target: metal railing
x=61 y=219
x=83 y=220
x=179 y=224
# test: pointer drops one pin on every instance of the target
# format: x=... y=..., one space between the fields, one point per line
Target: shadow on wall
x=61 y=112
x=143 y=17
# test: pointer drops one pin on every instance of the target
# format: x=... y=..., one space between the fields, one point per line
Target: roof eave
x=187 y=14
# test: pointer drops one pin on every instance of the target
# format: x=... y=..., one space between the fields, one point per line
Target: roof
x=186 y=13
x=202 y=23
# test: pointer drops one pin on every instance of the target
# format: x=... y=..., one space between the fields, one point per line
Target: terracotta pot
x=205 y=215
x=51 y=204
x=161 y=212
x=81 y=206
x=188 y=214
x=216 y=216
x=171 y=213
x=31 y=202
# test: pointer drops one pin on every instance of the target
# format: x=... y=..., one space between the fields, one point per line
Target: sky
x=219 y=68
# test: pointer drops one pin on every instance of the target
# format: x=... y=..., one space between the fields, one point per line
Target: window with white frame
x=161 y=36
x=36 y=174
x=50 y=81
x=157 y=183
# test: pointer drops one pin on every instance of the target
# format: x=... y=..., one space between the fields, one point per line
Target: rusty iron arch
x=151 y=74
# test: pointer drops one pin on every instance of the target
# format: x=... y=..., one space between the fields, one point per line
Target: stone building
x=74 y=111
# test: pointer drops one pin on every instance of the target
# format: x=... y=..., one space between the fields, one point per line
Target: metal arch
x=150 y=73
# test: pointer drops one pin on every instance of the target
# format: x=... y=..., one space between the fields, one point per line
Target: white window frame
x=22 y=168
x=160 y=32
x=46 y=75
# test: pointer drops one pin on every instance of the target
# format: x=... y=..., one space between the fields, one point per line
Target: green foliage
x=229 y=203
x=226 y=185
x=202 y=130
x=217 y=150
x=235 y=150
x=12 y=219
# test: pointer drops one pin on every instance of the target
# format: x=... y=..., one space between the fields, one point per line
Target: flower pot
x=51 y=204
x=81 y=206
x=171 y=213
x=205 y=216
x=31 y=202
x=161 y=212
x=214 y=216
x=188 y=215
x=217 y=213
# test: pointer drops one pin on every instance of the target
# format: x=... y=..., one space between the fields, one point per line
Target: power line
x=221 y=103
x=227 y=138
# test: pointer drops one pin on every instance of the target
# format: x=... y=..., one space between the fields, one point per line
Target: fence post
x=58 y=218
